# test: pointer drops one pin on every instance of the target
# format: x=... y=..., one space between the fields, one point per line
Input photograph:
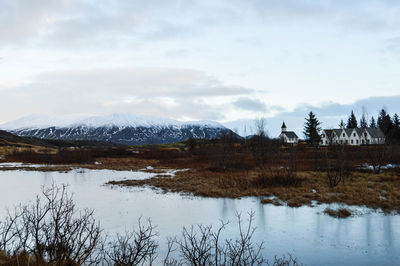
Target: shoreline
x=360 y=188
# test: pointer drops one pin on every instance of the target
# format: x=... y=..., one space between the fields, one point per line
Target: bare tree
x=378 y=156
x=136 y=247
x=290 y=164
x=202 y=246
x=264 y=149
x=52 y=230
x=261 y=125
x=171 y=248
x=291 y=261
x=337 y=168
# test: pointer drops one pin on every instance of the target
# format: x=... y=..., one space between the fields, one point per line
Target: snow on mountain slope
x=118 y=120
x=118 y=128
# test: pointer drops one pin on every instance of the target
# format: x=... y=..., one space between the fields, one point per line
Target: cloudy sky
x=223 y=60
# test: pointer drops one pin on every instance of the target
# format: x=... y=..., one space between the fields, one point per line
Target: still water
x=369 y=238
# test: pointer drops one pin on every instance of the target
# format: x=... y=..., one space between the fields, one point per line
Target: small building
x=352 y=136
x=288 y=137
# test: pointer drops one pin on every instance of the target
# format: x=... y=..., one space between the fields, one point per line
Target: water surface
x=370 y=238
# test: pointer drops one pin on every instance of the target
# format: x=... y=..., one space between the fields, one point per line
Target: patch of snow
x=371 y=167
x=204 y=123
x=23 y=165
x=171 y=173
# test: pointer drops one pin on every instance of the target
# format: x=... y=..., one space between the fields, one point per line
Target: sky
x=224 y=60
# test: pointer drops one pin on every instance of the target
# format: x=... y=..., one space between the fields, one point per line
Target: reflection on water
x=314 y=238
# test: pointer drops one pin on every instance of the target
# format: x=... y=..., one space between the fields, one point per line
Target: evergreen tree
x=363 y=121
x=342 y=124
x=372 y=123
x=396 y=128
x=396 y=122
x=381 y=118
x=352 y=121
x=385 y=124
x=312 y=129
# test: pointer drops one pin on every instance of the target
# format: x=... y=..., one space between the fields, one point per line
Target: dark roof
x=348 y=131
x=329 y=132
x=283 y=125
x=359 y=131
x=375 y=132
x=290 y=134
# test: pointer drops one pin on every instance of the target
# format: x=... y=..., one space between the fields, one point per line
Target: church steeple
x=283 y=127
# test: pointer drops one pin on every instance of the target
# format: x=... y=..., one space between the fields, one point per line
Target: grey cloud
x=181 y=109
x=249 y=104
x=177 y=52
x=392 y=45
x=78 y=23
x=180 y=93
x=361 y=15
x=329 y=114
x=370 y=105
x=22 y=21
x=64 y=23
x=138 y=82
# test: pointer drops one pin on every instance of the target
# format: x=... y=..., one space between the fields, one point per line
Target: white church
x=352 y=136
x=288 y=137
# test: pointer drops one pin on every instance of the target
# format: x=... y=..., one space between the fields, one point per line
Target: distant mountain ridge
x=125 y=129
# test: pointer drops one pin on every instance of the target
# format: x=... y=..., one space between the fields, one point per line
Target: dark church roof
x=283 y=125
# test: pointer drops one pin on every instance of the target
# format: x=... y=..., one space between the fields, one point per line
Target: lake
x=368 y=238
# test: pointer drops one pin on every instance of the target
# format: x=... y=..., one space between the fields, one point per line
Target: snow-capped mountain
x=118 y=128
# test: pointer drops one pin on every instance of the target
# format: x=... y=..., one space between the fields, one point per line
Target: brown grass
x=372 y=190
x=273 y=201
x=340 y=213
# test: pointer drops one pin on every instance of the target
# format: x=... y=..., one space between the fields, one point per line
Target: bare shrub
x=284 y=175
x=289 y=166
x=283 y=261
x=378 y=156
x=136 y=247
x=202 y=246
x=191 y=143
x=224 y=154
x=337 y=166
x=51 y=230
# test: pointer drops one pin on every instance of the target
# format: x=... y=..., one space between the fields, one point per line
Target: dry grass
x=372 y=190
x=273 y=201
x=340 y=213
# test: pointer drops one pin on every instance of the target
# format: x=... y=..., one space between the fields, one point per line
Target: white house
x=352 y=136
x=288 y=137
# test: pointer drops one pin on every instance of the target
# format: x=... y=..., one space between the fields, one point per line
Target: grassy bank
x=373 y=190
